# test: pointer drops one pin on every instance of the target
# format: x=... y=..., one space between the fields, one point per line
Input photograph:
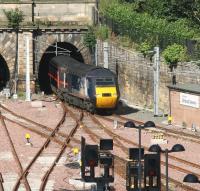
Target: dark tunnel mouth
x=43 y=78
x=4 y=73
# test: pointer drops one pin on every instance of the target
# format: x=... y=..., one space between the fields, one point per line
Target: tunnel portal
x=4 y=73
x=62 y=48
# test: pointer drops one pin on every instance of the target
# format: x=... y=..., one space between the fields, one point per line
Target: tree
x=173 y=54
x=15 y=17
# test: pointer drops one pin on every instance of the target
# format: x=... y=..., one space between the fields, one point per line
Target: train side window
x=89 y=86
x=76 y=82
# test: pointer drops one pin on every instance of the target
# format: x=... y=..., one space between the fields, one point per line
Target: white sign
x=189 y=100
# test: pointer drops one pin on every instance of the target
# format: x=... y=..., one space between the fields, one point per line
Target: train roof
x=76 y=67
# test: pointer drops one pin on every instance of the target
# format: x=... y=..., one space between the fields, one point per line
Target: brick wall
x=183 y=115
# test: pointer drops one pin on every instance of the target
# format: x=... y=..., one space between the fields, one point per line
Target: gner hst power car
x=83 y=85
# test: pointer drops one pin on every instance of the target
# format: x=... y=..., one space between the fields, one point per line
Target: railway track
x=166 y=131
x=174 y=167
x=44 y=146
x=50 y=136
x=186 y=162
x=119 y=141
x=16 y=157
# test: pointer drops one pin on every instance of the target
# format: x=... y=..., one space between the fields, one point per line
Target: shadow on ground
x=124 y=109
x=73 y=165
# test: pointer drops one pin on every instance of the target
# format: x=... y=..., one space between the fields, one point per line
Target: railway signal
x=92 y=156
x=152 y=172
x=132 y=169
x=89 y=158
x=106 y=160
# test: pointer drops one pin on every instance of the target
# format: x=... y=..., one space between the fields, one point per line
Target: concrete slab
x=6 y=156
x=37 y=104
x=35 y=182
x=9 y=181
x=79 y=184
x=46 y=160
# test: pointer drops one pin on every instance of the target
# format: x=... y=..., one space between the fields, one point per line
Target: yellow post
x=28 y=136
x=169 y=119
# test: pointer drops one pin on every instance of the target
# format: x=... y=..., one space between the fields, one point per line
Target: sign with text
x=189 y=100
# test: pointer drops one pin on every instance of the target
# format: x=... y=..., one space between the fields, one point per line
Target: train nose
x=106 y=97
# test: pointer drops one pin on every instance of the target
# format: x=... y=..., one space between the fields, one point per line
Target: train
x=86 y=86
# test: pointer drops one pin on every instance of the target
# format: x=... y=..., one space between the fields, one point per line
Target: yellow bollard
x=169 y=119
x=28 y=136
x=75 y=150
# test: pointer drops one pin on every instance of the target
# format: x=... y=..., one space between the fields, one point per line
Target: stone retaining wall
x=135 y=76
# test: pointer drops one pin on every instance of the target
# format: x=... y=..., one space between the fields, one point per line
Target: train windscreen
x=105 y=82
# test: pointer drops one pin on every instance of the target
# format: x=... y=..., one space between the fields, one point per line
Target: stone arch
x=8 y=49
x=64 y=42
x=7 y=57
x=46 y=40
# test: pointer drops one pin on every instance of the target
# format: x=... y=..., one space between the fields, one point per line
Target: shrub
x=173 y=54
x=144 y=48
x=102 y=32
x=15 y=17
x=89 y=39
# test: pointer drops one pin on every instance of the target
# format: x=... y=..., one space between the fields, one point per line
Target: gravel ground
x=67 y=169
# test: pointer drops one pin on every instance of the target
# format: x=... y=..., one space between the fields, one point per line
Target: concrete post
x=96 y=54
x=28 y=91
x=156 y=80
x=105 y=51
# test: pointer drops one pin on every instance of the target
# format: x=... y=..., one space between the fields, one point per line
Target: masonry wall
x=136 y=76
x=69 y=11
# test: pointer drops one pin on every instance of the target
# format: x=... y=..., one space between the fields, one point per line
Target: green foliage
x=125 y=41
x=174 y=54
x=170 y=10
x=144 y=48
x=89 y=39
x=102 y=32
x=141 y=26
x=21 y=95
x=15 y=17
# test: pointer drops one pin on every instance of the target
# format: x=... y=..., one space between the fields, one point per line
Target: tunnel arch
x=4 y=73
x=61 y=48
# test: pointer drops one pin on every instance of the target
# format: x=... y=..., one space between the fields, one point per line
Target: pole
x=105 y=48
x=56 y=49
x=139 y=173
x=166 y=155
x=96 y=54
x=33 y=5
x=156 y=80
x=28 y=92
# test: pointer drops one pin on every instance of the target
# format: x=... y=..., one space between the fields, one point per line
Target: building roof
x=192 y=88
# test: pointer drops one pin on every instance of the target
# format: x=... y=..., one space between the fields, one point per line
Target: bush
x=89 y=39
x=144 y=48
x=102 y=32
x=173 y=54
x=15 y=17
